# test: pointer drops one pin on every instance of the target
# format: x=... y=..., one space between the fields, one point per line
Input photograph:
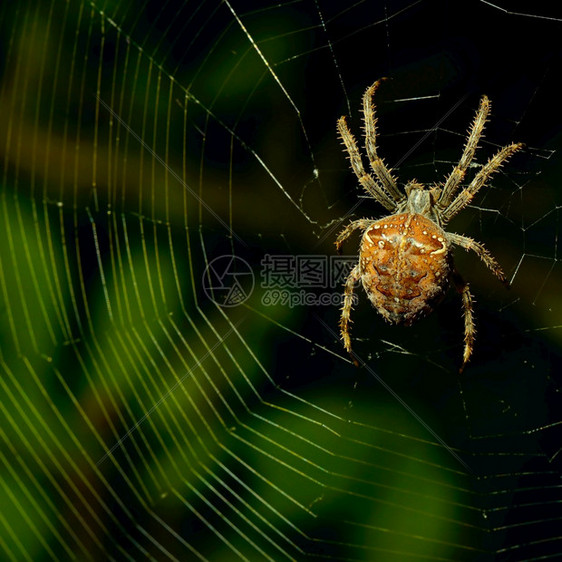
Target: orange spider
x=405 y=262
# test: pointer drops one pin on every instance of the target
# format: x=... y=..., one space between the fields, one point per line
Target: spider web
x=173 y=385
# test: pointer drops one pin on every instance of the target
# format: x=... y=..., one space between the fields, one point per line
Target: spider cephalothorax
x=405 y=264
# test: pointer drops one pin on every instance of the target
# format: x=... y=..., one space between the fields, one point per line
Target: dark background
x=139 y=142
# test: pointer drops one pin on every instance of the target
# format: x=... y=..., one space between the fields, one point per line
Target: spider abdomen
x=405 y=266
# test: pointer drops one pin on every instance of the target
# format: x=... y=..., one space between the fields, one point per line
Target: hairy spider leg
x=366 y=180
x=468 y=312
x=480 y=250
x=370 y=127
x=457 y=175
x=345 y=319
x=481 y=178
x=361 y=224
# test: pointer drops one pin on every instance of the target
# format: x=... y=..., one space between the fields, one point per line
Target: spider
x=405 y=262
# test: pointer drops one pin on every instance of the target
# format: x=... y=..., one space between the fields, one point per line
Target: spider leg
x=381 y=171
x=468 y=311
x=361 y=224
x=457 y=175
x=368 y=183
x=466 y=195
x=345 y=319
x=470 y=244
